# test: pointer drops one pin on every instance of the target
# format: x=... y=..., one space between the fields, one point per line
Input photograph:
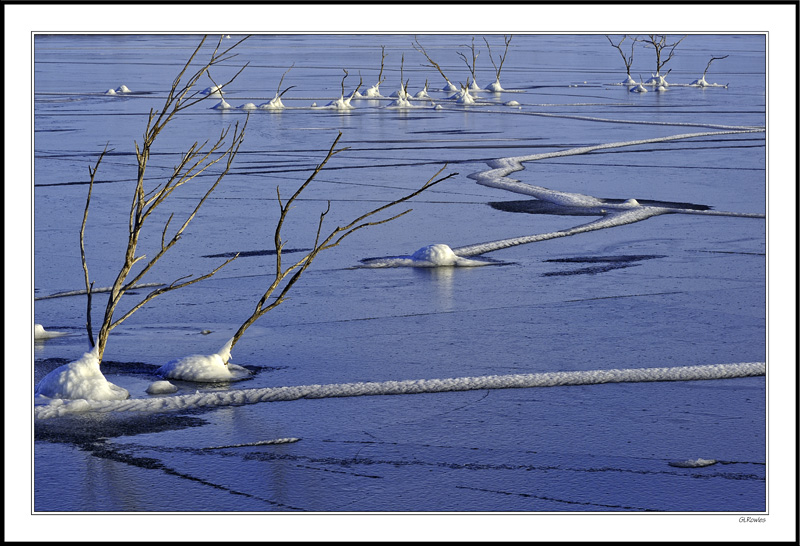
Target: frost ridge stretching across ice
x=550 y=379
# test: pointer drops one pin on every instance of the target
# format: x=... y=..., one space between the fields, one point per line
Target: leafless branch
x=195 y=161
x=626 y=59
x=709 y=64
x=431 y=62
x=470 y=65
x=659 y=43
x=284 y=279
x=497 y=69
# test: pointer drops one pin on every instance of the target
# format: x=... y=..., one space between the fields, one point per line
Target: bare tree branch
x=471 y=66
x=709 y=64
x=195 y=161
x=284 y=279
x=89 y=285
x=627 y=60
x=497 y=69
x=431 y=62
x=659 y=43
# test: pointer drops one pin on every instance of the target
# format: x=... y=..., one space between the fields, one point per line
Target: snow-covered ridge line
x=515 y=381
x=504 y=166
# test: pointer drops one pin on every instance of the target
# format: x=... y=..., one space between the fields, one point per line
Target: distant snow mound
x=40 y=333
x=274 y=104
x=495 y=87
x=221 y=105
x=80 y=379
x=213 y=92
x=693 y=463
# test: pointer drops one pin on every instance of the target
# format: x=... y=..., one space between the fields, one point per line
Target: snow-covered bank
x=58 y=408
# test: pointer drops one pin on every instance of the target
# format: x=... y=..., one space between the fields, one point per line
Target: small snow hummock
x=629 y=81
x=248 y=106
x=693 y=463
x=495 y=87
x=463 y=97
x=638 y=89
x=657 y=81
x=111 y=92
x=161 y=387
x=40 y=333
x=274 y=104
x=123 y=89
x=373 y=91
x=80 y=379
x=204 y=368
x=512 y=103
x=213 y=92
x=221 y=105
x=438 y=255
x=449 y=87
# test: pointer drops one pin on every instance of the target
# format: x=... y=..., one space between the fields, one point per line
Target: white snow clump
x=693 y=463
x=214 y=91
x=40 y=333
x=248 y=106
x=638 y=89
x=161 y=387
x=80 y=379
x=221 y=105
x=204 y=368
x=274 y=104
x=495 y=87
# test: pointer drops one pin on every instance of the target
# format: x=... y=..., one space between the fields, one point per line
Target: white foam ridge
x=612 y=214
x=240 y=397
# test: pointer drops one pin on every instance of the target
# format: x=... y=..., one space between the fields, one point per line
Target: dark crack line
x=553 y=499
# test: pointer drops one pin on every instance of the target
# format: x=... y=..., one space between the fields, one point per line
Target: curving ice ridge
x=240 y=397
x=613 y=213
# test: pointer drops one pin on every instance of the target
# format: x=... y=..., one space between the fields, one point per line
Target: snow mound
x=40 y=333
x=463 y=97
x=221 y=105
x=512 y=103
x=693 y=463
x=638 y=89
x=449 y=87
x=214 y=91
x=495 y=87
x=80 y=379
x=373 y=91
x=629 y=81
x=437 y=255
x=204 y=368
x=248 y=106
x=123 y=89
x=340 y=104
x=111 y=92
x=274 y=104
x=161 y=387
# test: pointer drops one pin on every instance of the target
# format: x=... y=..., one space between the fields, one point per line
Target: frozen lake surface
x=681 y=288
